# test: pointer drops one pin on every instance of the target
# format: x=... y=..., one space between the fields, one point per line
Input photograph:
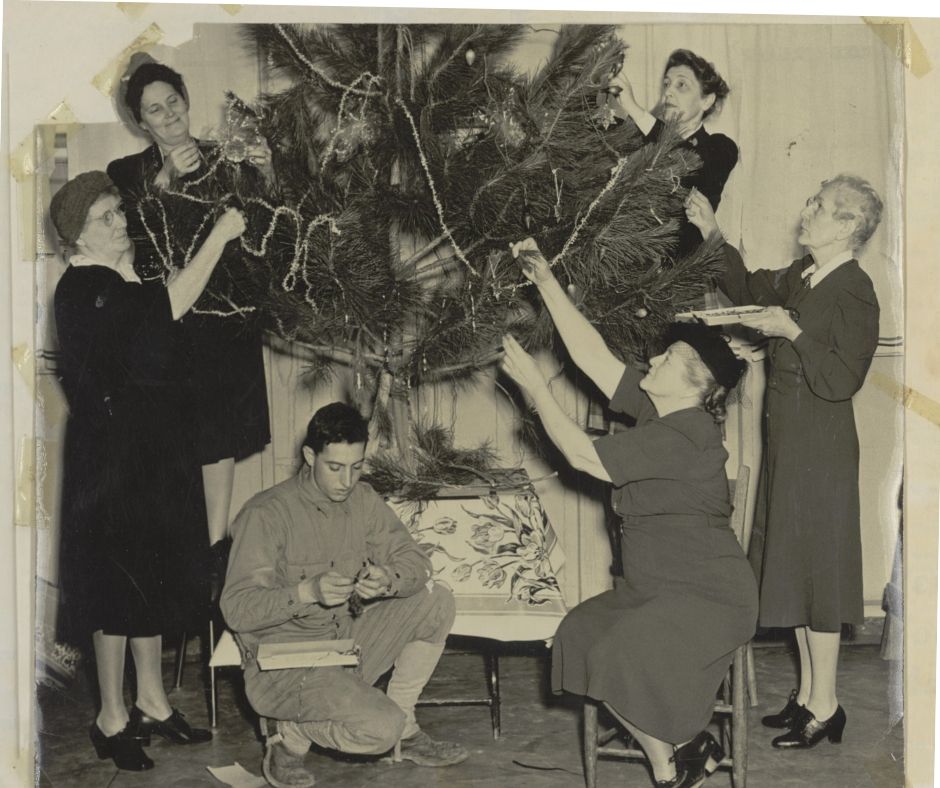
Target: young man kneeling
x=321 y=557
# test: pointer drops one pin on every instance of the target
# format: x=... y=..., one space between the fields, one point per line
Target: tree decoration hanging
x=409 y=157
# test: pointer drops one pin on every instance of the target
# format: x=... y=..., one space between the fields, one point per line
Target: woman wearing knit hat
x=656 y=648
x=132 y=511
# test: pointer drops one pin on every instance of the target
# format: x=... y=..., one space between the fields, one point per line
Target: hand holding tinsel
x=520 y=366
x=534 y=265
x=230 y=225
x=699 y=211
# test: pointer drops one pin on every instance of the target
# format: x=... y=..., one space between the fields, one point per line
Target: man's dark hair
x=147 y=74
x=336 y=423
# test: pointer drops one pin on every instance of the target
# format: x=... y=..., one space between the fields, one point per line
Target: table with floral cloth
x=498 y=553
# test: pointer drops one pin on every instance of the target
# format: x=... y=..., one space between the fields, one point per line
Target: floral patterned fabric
x=499 y=555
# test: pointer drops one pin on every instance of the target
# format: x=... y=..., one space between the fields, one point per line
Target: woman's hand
x=699 y=212
x=259 y=154
x=178 y=161
x=534 y=265
x=621 y=89
x=229 y=225
x=520 y=366
x=774 y=321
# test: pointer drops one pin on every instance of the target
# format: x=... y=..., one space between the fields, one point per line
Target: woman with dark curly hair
x=656 y=648
x=228 y=369
x=692 y=91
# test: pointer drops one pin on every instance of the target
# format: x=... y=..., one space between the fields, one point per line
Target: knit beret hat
x=69 y=207
x=712 y=348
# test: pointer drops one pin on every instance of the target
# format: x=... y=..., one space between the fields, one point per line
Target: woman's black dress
x=134 y=534
x=657 y=647
x=231 y=397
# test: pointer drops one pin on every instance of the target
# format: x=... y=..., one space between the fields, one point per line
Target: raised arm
x=572 y=442
x=584 y=343
x=186 y=285
x=764 y=287
x=622 y=89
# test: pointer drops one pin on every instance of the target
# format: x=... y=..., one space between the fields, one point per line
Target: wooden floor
x=539 y=746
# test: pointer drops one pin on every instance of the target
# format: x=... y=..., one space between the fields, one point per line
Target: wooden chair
x=730 y=706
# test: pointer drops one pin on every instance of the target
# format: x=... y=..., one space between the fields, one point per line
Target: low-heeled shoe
x=809 y=731
x=124 y=748
x=683 y=779
x=174 y=728
x=786 y=717
x=699 y=757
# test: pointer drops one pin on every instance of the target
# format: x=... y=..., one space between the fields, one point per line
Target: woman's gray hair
x=856 y=198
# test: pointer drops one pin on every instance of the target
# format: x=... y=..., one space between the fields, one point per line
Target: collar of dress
x=819 y=271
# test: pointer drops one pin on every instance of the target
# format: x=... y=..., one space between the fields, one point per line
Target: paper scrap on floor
x=237 y=776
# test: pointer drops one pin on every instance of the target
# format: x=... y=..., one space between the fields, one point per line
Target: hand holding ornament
x=534 y=265
x=178 y=161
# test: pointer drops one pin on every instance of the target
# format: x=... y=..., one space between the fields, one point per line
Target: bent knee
x=382 y=729
x=444 y=603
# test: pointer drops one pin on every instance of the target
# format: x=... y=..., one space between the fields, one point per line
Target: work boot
x=425 y=751
x=284 y=769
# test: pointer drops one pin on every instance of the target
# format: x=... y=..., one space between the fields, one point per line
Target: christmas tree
x=408 y=158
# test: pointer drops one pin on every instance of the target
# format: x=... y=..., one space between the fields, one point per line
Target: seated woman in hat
x=133 y=520
x=656 y=648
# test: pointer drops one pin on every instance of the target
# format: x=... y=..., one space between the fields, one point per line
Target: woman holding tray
x=692 y=91
x=822 y=319
x=656 y=648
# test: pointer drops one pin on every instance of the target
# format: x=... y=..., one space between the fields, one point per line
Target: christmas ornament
x=470 y=56
x=641 y=312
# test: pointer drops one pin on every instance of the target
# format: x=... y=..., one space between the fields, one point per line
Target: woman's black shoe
x=699 y=757
x=683 y=779
x=124 y=748
x=809 y=731
x=174 y=728
x=787 y=716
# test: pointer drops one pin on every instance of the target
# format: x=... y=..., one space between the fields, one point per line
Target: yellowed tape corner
x=912 y=400
x=24 y=505
x=108 y=78
x=230 y=9
x=899 y=36
x=23 y=159
x=25 y=363
x=63 y=115
x=132 y=10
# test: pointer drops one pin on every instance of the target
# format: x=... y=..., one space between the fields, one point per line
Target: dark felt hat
x=712 y=348
x=69 y=207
